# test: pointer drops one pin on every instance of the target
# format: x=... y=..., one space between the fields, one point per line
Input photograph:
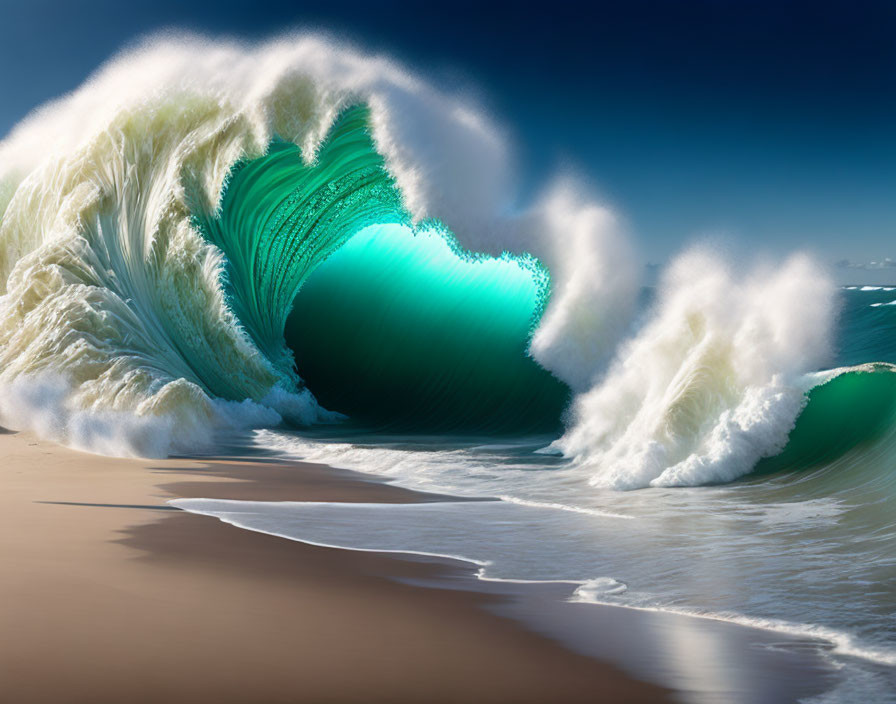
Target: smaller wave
x=711 y=384
x=846 y=408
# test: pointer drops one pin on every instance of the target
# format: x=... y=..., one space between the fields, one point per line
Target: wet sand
x=108 y=595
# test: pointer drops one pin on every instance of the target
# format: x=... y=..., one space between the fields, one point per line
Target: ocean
x=803 y=545
x=298 y=250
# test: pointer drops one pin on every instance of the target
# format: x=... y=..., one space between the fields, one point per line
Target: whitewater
x=313 y=250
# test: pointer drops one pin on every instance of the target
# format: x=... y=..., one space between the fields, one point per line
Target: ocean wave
x=159 y=224
x=712 y=383
x=152 y=268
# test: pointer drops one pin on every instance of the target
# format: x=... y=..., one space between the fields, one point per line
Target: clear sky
x=771 y=123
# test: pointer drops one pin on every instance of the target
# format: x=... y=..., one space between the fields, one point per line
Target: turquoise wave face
x=279 y=219
x=401 y=329
x=848 y=426
x=393 y=325
x=853 y=410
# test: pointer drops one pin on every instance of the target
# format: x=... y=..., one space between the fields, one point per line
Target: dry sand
x=106 y=595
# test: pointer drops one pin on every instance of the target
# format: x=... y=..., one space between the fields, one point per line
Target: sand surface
x=106 y=595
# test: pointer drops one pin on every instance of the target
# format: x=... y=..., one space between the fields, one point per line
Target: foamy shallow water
x=808 y=558
x=602 y=559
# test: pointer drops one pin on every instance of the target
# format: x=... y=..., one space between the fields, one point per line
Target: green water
x=397 y=328
x=393 y=325
x=851 y=410
x=280 y=218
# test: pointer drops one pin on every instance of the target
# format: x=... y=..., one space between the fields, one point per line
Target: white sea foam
x=712 y=383
x=433 y=470
x=43 y=404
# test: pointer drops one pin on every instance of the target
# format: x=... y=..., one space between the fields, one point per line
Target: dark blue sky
x=768 y=122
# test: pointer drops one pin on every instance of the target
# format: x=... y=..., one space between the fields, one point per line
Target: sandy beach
x=108 y=595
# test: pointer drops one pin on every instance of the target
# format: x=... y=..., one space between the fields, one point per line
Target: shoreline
x=194 y=608
x=110 y=595
x=740 y=663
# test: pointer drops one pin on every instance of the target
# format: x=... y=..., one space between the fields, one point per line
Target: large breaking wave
x=157 y=223
x=209 y=235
